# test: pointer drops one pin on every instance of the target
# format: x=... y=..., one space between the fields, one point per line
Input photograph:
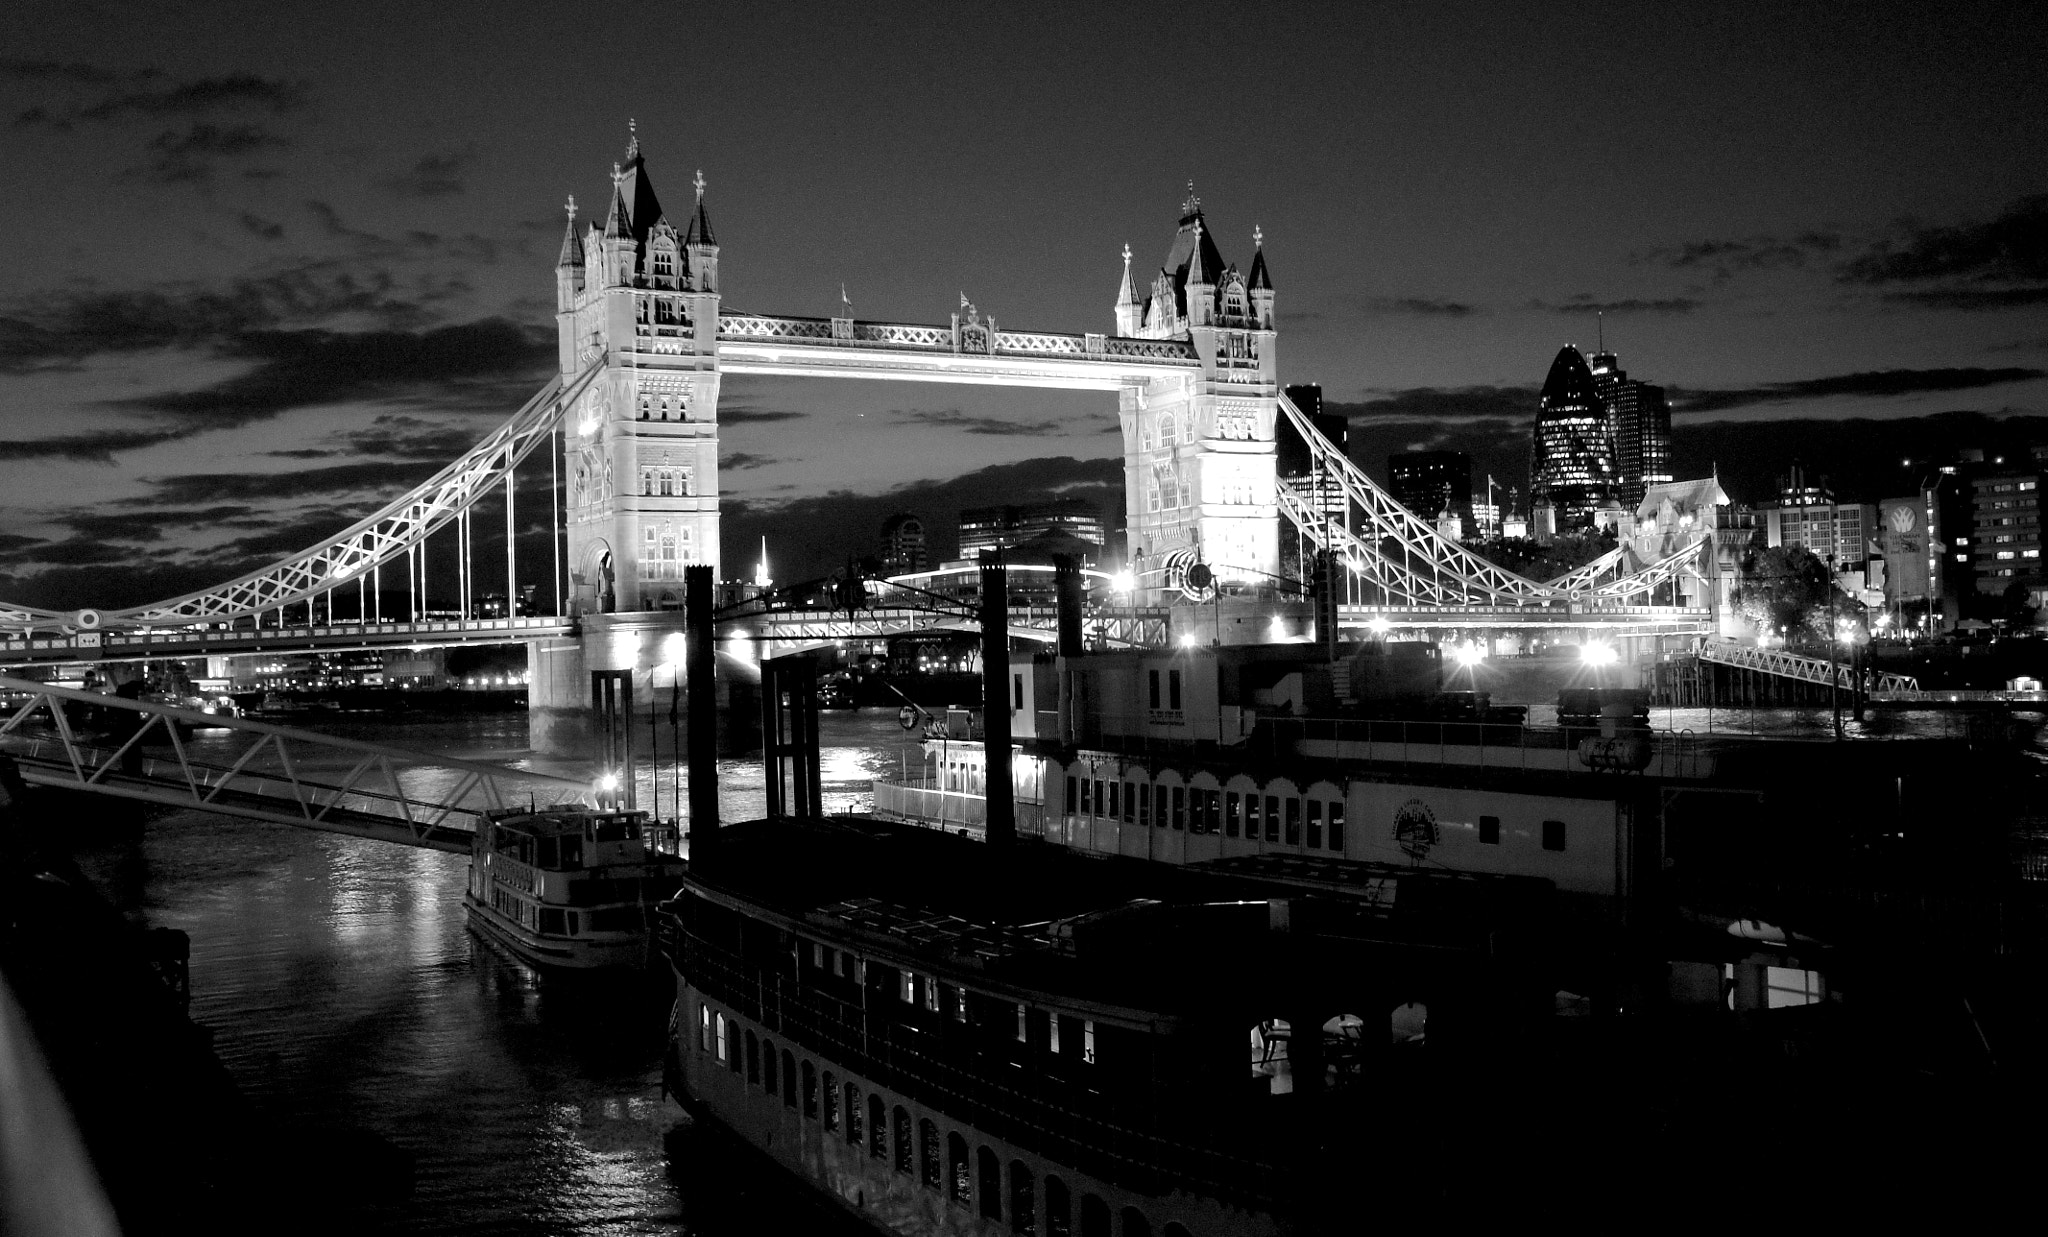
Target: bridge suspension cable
x=1409 y=563
x=395 y=533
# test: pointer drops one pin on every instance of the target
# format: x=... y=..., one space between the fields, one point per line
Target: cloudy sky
x=271 y=263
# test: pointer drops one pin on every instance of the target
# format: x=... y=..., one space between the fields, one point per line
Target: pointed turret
x=701 y=242
x=1129 y=313
x=1199 y=289
x=569 y=265
x=1260 y=282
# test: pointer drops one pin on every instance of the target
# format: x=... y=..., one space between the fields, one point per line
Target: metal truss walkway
x=1800 y=667
x=383 y=793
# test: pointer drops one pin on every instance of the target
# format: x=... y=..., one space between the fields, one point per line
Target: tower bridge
x=629 y=431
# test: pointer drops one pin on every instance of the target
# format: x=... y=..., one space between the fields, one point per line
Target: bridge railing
x=383 y=793
x=1801 y=667
x=921 y=337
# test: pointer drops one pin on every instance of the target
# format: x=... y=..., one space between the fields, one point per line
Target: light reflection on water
x=345 y=992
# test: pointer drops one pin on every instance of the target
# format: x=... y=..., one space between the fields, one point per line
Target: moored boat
x=571 y=887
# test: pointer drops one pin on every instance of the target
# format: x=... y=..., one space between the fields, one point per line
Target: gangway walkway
x=440 y=809
x=1801 y=667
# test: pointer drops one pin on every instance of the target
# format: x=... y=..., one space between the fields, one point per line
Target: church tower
x=1198 y=450
x=639 y=299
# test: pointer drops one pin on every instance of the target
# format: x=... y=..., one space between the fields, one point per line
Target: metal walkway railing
x=1801 y=667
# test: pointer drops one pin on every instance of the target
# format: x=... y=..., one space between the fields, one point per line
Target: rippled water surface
x=346 y=993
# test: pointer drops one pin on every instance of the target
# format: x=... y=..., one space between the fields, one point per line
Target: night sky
x=269 y=264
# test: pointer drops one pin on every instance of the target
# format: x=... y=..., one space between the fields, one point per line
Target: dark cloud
x=191 y=155
x=257 y=225
x=1971 y=298
x=2013 y=247
x=297 y=369
x=755 y=416
x=811 y=537
x=376 y=476
x=997 y=427
x=56 y=71
x=1424 y=306
x=1584 y=303
x=95 y=447
x=232 y=92
x=1724 y=258
x=740 y=461
x=435 y=175
x=1877 y=384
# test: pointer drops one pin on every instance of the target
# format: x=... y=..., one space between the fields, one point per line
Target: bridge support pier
x=650 y=647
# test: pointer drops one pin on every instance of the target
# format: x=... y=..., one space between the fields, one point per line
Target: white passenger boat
x=571 y=887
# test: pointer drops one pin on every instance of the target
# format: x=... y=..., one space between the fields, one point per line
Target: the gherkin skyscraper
x=1571 y=464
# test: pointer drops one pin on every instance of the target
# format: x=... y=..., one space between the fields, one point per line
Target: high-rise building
x=1806 y=514
x=1571 y=459
x=1638 y=426
x=2005 y=540
x=903 y=546
x=1431 y=483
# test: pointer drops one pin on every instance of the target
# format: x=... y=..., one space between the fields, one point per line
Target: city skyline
x=261 y=299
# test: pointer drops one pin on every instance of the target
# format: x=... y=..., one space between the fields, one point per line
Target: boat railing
x=1066 y=1122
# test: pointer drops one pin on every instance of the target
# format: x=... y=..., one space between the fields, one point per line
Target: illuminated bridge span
x=286 y=776
x=630 y=424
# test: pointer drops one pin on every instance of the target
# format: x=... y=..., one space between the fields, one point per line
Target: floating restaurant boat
x=571 y=887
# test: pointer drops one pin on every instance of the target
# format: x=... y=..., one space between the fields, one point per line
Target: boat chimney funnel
x=1066 y=581
x=996 y=699
x=698 y=661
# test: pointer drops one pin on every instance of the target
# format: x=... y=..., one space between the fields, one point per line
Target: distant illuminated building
x=987 y=528
x=1571 y=463
x=1433 y=484
x=903 y=545
x=1638 y=426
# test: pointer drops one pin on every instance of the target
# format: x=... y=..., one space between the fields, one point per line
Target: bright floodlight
x=1594 y=654
x=1187 y=640
x=609 y=781
x=1379 y=623
x=672 y=648
x=1468 y=655
x=1278 y=631
x=1123 y=581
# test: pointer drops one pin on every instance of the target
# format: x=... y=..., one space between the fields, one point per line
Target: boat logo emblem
x=1415 y=828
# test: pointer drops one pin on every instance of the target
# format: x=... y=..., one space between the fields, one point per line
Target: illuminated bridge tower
x=1198 y=450
x=640 y=447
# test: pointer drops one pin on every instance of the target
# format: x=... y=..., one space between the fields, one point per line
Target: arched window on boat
x=878 y=1128
x=753 y=1058
x=811 y=1091
x=957 y=1171
x=724 y=1039
x=788 y=1079
x=1135 y=1223
x=853 y=1125
x=1023 y=1199
x=989 y=1170
x=768 y=1067
x=703 y=1027
x=1407 y=1024
x=1344 y=1051
x=1094 y=1217
x=831 y=1102
x=1272 y=1065
x=1059 y=1209
x=929 y=1161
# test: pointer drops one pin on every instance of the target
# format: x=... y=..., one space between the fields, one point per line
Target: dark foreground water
x=346 y=993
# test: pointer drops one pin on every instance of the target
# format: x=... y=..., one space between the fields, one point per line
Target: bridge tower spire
x=639 y=298
x=1199 y=462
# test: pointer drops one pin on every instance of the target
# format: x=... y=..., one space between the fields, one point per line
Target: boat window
x=704 y=1027
x=724 y=1039
x=831 y=1102
x=899 y=1128
x=1315 y=824
x=1553 y=835
x=1160 y=804
x=811 y=1091
x=1091 y=791
x=853 y=1126
x=1337 y=824
x=753 y=1058
x=1230 y=809
x=1088 y=1041
x=1023 y=1021
x=1023 y=1199
x=1130 y=801
x=956 y=1169
x=906 y=987
x=551 y=923
x=1294 y=822
x=1153 y=693
x=1059 y=1209
x=1094 y=1217
x=990 y=1171
x=928 y=1153
x=817 y=956
x=1272 y=818
x=546 y=853
x=1110 y=789
x=571 y=849
x=1073 y=794
x=788 y=1079
x=1145 y=803
x=1272 y=1064
x=1135 y=1223
x=878 y=1127
x=1489 y=830
x=931 y=994
x=1408 y=1024
x=1251 y=818
x=1173 y=690
x=1344 y=1051
x=768 y=1066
